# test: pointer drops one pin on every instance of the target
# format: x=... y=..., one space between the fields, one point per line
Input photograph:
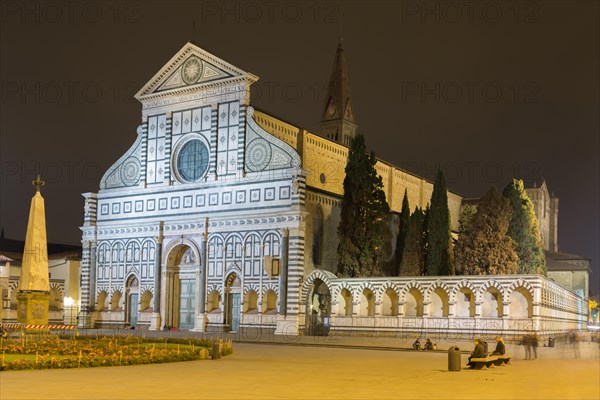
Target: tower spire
x=337 y=120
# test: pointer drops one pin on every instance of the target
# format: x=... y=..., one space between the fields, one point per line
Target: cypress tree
x=485 y=248
x=524 y=230
x=402 y=231
x=412 y=263
x=439 y=238
x=363 y=215
x=425 y=235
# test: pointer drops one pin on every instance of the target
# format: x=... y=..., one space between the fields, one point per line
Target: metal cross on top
x=38 y=183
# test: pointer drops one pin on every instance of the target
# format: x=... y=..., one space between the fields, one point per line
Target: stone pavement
x=265 y=365
x=259 y=371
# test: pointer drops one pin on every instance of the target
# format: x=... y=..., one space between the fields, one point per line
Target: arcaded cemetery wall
x=440 y=307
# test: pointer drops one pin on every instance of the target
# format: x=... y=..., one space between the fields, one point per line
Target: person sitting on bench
x=478 y=351
x=500 y=348
x=428 y=344
x=417 y=344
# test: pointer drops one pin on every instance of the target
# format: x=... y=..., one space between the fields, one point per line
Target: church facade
x=222 y=217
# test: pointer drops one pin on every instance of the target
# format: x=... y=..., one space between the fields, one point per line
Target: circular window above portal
x=192 y=160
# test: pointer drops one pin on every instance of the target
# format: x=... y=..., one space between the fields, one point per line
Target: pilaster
x=155 y=319
x=201 y=317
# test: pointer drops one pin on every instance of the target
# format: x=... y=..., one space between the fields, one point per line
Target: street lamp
x=69 y=304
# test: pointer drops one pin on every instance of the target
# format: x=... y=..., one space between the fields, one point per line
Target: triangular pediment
x=348 y=114
x=331 y=110
x=192 y=67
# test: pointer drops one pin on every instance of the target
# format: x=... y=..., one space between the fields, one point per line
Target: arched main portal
x=233 y=296
x=318 y=309
x=180 y=287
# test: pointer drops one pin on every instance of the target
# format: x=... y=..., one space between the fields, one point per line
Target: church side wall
x=321 y=229
x=325 y=162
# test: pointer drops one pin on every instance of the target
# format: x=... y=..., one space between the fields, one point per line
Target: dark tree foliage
x=484 y=248
x=363 y=215
x=466 y=214
x=439 y=238
x=413 y=257
x=402 y=230
x=524 y=230
x=425 y=235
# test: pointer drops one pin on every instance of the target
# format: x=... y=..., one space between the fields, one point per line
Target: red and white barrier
x=38 y=326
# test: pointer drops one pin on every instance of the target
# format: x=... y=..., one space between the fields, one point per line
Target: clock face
x=192 y=160
x=331 y=109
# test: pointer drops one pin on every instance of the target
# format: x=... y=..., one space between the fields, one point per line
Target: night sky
x=488 y=92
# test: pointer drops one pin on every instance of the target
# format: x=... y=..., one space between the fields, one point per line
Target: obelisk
x=34 y=286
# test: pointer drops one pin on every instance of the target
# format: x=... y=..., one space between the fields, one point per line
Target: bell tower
x=337 y=121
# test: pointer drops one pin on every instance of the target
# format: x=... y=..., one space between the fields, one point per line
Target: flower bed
x=101 y=351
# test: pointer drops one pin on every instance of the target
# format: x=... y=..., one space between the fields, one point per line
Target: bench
x=483 y=362
x=503 y=359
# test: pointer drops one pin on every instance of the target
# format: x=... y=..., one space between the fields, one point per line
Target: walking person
x=526 y=341
x=535 y=341
x=574 y=342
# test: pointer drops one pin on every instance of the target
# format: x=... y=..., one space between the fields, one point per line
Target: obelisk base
x=33 y=307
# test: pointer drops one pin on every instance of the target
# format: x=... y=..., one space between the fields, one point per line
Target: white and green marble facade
x=168 y=246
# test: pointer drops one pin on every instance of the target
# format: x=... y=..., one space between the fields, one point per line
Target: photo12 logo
x=67 y=92
x=269 y=12
x=70 y=172
x=68 y=12
x=470 y=12
x=469 y=92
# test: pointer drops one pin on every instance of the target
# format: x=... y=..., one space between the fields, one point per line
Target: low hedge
x=103 y=351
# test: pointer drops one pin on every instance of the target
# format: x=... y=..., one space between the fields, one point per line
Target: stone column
x=164 y=304
x=426 y=308
x=155 y=317
x=88 y=284
x=451 y=309
x=87 y=295
x=378 y=307
x=477 y=309
x=283 y=272
x=505 y=309
x=287 y=323
x=201 y=318
x=93 y=269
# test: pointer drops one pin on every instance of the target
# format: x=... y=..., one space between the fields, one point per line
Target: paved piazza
x=259 y=371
